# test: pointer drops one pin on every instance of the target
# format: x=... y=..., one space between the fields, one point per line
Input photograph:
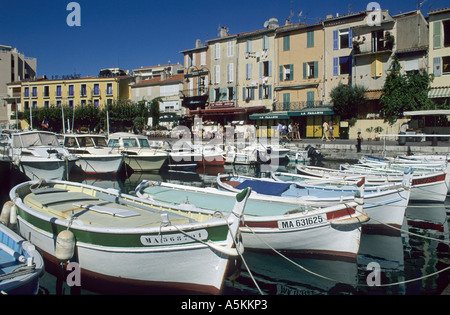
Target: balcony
x=296 y=105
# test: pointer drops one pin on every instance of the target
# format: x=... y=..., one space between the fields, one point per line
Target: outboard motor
x=315 y=156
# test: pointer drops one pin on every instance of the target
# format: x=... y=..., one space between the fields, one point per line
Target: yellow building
x=75 y=91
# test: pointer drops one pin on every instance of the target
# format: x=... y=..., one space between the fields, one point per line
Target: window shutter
x=265 y=42
x=243 y=93
x=234 y=92
x=310 y=99
x=249 y=46
x=270 y=68
x=336 y=66
x=310 y=39
x=252 y=93
x=260 y=92
x=335 y=40
x=260 y=69
x=217 y=51
x=270 y=92
x=316 y=69
x=437 y=66
x=286 y=43
x=291 y=67
x=437 y=34
x=350 y=38
x=305 y=71
x=203 y=58
x=281 y=73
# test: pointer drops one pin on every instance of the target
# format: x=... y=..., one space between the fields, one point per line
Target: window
x=109 y=89
x=83 y=90
x=230 y=72
x=265 y=42
x=26 y=105
x=265 y=92
x=310 y=39
x=46 y=91
x=34 y=93
x=58 y=91
x=287 y=73
x=446 y=28
x=286 y=43
x=71 y=90
x=217 y=51
x=46 y=104
x=248 y=48
x=286 y=101
x=58 y=103
x=96 y=89
x=27 y=92
x=342 y=39
x=83 y=103
x=71 y=103
x=342 y=65
x=265 y=69
x=248 y=71
x=217 y=74
x=310 y=99
x=35 y=104
x=446 y=65
x=310 y=70
x=203 y=58
x=230 y=49
x=248 y=93
x=96 y=103
x=231 y=93
x=377 y=41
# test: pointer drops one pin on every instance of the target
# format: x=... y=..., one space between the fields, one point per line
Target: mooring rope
x=338 y=281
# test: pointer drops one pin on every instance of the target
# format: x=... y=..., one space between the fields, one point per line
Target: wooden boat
x=138 y=154
x=20 y=263
x=385 y=206
x=427 y=187
x=324 y=232
x=181 y=155
x=39 y=155
x=94 y=156
x=124 y=244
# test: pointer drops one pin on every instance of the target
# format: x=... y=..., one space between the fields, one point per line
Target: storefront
x=310 y=121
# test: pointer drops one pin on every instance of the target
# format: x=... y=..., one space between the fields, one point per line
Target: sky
x=141 y=33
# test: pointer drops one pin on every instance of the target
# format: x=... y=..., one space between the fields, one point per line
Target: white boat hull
x=133 y=267
x=100 y=164
x=46 y=168
x=145 y=163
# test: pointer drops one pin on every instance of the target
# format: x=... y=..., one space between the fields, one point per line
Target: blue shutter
x=260 y=92
x=350 y=38
x=252 y=94
x=270 y=92
x=234 y=93
x=336 y=66
x=260 y=69
x=335 y=40
x=305 y=68
x=270 y=68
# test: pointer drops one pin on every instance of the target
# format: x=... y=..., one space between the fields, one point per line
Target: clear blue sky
x=136 y=33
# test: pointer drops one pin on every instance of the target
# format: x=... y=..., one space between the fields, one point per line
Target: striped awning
x=439 y=92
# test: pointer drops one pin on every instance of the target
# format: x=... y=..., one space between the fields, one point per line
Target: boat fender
x=13 y=215
x=231 y=252
x=65 y=246
x=6 y=213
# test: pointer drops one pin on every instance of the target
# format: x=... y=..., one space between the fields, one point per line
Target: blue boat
x=20 y=264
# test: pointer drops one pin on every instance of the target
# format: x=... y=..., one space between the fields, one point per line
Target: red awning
x=228 y=110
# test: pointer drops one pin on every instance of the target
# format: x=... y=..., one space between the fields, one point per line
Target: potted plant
x=369 y=130
x=378 y=130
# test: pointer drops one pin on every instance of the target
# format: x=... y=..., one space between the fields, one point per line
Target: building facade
x=73 y=91
x=439 y=55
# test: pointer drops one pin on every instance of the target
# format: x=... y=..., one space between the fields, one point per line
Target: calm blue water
x=401 y=256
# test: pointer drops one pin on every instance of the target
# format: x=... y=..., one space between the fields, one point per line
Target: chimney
x=223 y=32
x=198 y=43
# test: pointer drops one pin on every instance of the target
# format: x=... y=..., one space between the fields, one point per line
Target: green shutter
x=292 y=71
x=310 y=39
x=286 y=43
x=305 y=69
x=437 y=34
x=316 y=69
x=281 y=73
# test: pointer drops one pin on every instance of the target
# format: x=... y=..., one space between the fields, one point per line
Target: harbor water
x=404 y=262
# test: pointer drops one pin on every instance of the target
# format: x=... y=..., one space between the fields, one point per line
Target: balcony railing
x=280 y=106
x=201 y=91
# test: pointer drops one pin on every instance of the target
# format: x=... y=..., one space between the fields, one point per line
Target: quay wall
x=347 y=151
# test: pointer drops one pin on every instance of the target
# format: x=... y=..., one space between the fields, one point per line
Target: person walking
x=330 y=131
x=297 y=131
x=325 y=131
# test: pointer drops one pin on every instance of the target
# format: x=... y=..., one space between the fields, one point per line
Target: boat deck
x=91 y=208
x=217 y=202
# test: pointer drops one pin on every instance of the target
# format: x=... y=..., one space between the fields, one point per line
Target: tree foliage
x=404 y=92
x=347 y=99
